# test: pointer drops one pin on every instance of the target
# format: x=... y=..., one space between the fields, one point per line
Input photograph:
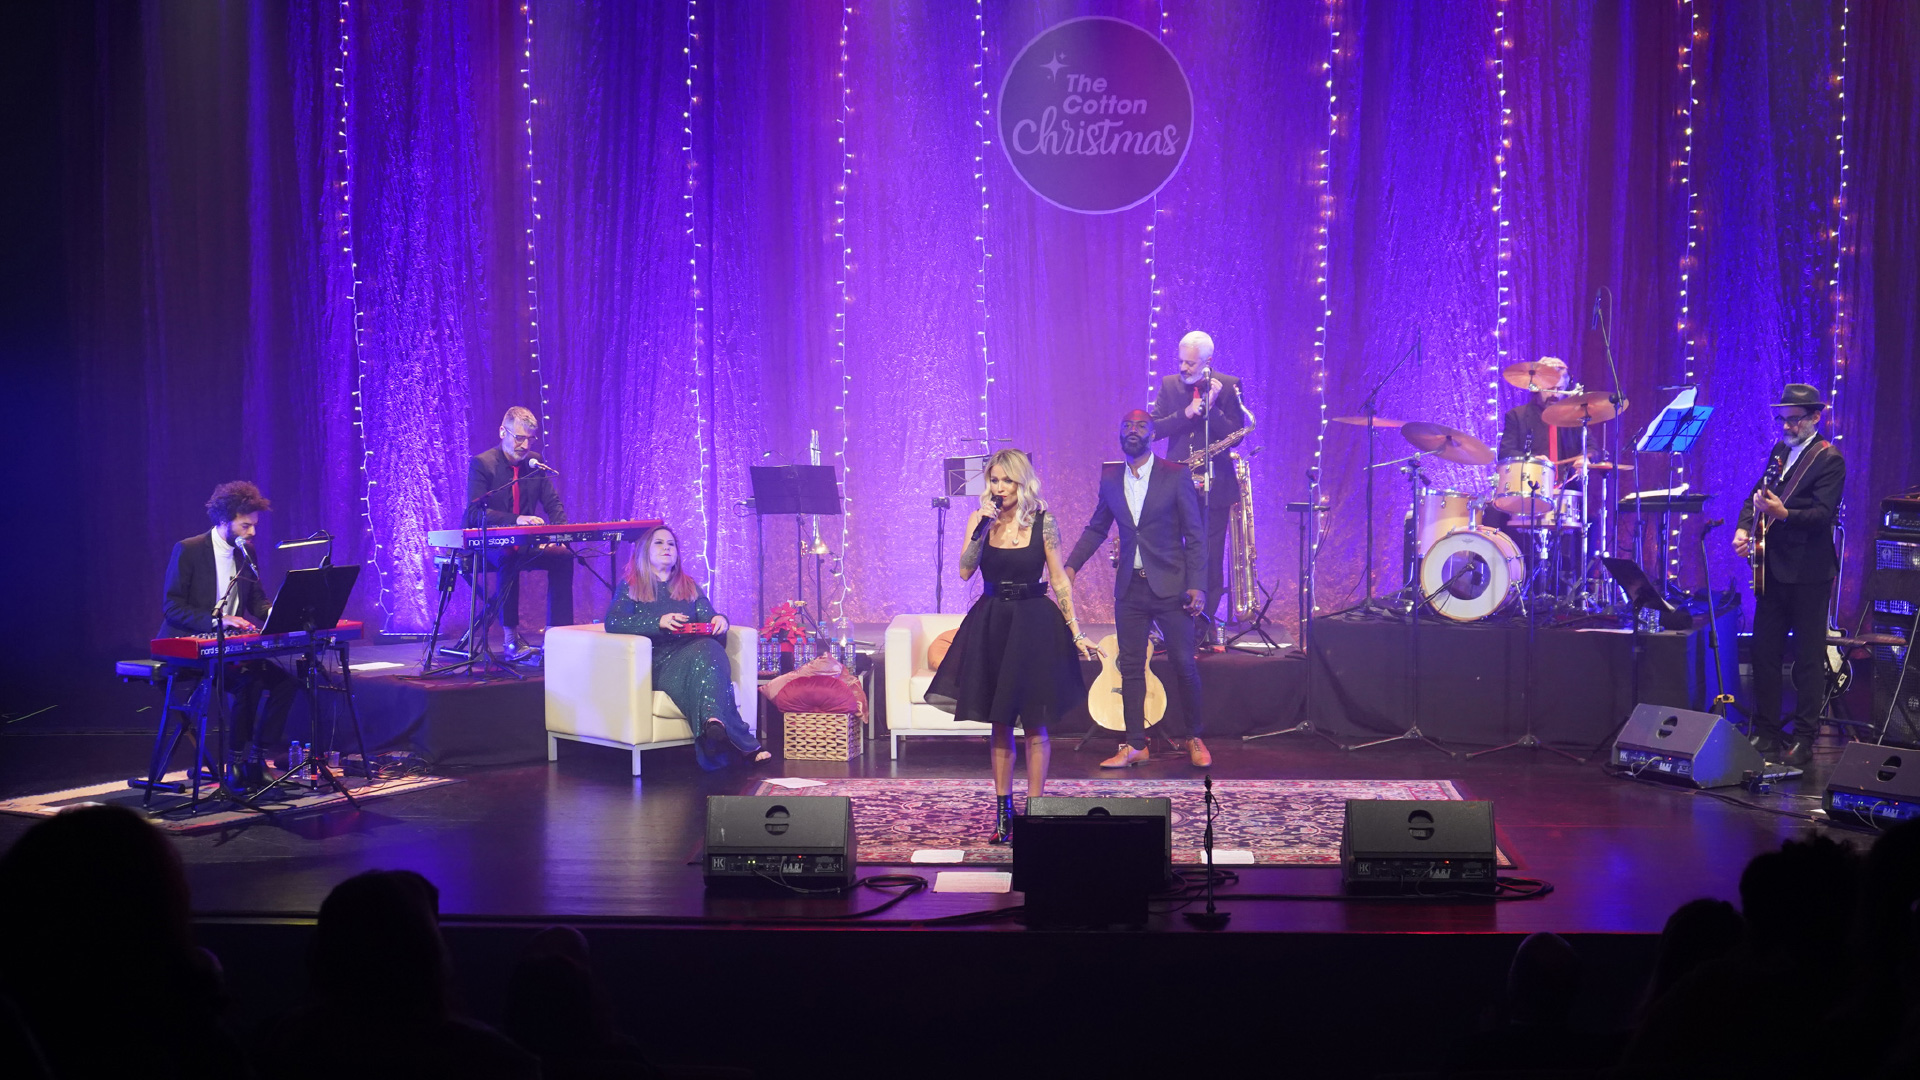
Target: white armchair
x=908 y=674
x=600 y=690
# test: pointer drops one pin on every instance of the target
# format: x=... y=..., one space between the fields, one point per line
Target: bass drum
x=1472 y=573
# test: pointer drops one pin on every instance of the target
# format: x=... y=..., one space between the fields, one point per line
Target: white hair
x=1201 y=341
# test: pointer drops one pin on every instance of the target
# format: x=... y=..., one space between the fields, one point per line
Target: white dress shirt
x=223 y=571
x=1136 y=492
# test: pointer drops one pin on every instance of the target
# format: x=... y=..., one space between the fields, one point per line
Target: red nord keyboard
x=206 y=646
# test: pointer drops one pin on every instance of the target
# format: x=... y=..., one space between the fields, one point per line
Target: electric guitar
x=1103 y=697
x=1758 y=555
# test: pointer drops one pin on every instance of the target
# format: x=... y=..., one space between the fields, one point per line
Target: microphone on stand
x=980 y=530
x=245 y=553
x=537 y=465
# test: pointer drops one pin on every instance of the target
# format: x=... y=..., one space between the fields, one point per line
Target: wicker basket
x=823 y=736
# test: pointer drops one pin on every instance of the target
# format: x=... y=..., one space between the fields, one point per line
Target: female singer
x=656 y=598
x=1016 y=657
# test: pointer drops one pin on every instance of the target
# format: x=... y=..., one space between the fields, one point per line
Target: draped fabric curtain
x=742 y=238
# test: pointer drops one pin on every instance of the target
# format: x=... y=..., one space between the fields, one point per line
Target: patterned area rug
x=1282 y=822
x=169 y=814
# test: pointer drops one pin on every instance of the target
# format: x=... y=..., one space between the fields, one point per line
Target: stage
x=1305 y=980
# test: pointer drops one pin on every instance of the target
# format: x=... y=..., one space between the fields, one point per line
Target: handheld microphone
x=980 y=530
x=1593 y=323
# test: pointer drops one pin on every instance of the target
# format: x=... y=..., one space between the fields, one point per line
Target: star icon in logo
x=1053 y=66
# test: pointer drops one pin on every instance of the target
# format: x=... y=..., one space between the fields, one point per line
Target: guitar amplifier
x=1900 y=515
x=780 y=843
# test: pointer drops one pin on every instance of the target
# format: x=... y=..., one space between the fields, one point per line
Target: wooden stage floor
x=515 y=848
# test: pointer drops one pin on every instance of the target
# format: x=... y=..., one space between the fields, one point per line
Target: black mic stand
x=1413 y=732
x=1212 y=918
x=483 y=604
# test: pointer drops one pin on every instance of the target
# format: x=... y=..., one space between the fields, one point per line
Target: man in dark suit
x=1196 y=408
x=1158 y=579
x=1798 y=506
x=506 y=484
x=213 y=574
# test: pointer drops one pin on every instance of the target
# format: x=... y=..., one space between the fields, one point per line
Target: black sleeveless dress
x=1012 y=659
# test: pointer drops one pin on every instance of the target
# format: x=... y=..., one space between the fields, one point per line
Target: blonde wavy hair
x=1019 y=469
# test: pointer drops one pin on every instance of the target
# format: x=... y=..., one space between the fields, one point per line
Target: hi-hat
x=1362 y=421
x=1528 y=375
x=1447 y=444
x=1594 y=408
x=1609 y=466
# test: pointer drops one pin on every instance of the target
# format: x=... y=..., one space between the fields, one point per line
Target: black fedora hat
x=1802 y=395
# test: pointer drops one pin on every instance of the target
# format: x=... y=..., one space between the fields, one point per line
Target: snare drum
x=1481 y=571
x=1525 y=486
x=1437 y=512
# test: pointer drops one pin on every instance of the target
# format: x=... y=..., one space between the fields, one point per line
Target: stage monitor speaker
x=1090 y=862
x=1418 y=846
x=1680 y=746
x=780 y=842
x=1159 y=808
x=1872 y=785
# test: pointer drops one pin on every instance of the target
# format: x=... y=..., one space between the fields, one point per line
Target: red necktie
x=516 y=492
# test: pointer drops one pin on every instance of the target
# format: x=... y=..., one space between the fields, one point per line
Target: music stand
x=800 y=490
x=311 y=602
x=1674 y=431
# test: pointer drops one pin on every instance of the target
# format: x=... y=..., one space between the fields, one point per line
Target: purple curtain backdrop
x=214 y=297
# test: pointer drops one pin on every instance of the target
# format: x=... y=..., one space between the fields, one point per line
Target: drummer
x=1525 y=434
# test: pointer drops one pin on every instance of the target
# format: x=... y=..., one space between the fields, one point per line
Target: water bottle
x=293 y=756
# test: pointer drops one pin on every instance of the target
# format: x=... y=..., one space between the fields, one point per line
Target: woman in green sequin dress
x=691 y=668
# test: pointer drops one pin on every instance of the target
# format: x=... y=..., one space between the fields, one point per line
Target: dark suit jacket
x=1185 y=434
x=490 y=469
x=1169 y=535
x=1800 y=546
x=186 y=605
x=1522 y=419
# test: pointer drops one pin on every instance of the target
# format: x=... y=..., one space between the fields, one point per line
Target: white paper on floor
x=938 y=855
x=1226 y=857
x=973 y=881
x=795 y=782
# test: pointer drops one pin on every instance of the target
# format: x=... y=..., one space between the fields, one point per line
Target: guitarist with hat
x=1786 y=528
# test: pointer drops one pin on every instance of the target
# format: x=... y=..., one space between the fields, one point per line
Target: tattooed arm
x=970 y=551
x=1062 y=581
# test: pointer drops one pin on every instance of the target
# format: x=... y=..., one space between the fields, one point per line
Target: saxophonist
x=1196 y=408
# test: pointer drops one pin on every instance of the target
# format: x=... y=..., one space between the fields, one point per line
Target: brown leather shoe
x=1197 y=753
x=1126 y=758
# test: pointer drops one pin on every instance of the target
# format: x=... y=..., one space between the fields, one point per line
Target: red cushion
x=817 y=693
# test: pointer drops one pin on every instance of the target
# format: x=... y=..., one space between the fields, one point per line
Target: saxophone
x=1242 y=579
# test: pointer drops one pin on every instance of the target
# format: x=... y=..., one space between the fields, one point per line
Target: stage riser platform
x=1474 y=680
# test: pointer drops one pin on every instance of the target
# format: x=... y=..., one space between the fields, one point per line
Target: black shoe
x=713 y=733
x=1797 y=754
x=1002 y=820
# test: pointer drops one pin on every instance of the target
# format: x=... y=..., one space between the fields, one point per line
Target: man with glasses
x=507 y=484
x=1799 y=510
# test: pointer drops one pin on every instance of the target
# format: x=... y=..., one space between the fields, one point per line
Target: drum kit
x=1470 y=563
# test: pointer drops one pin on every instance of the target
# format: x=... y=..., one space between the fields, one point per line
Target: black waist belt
x=1016 y=590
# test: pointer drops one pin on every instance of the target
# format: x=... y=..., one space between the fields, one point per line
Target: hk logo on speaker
x=1095 y=115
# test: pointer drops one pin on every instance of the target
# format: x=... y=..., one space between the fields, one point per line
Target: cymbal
x=1609 y=466
x=1596 y=408
x=1361 y=421
x=1447 y=444
x=1531 y=376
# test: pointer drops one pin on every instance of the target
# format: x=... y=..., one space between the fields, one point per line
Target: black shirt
x=490 y=474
